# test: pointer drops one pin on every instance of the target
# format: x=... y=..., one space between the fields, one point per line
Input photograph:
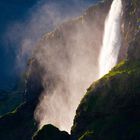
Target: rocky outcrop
x=131 y=28
x=50 y=132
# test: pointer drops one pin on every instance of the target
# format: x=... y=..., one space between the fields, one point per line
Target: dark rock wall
x=131 y=28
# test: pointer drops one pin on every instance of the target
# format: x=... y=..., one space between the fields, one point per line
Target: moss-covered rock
x=50 y=132
x=111 y=107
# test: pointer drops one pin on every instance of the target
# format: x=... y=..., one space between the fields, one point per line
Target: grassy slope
x=111 y=107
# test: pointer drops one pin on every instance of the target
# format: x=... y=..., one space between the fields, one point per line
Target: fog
x=69 y=56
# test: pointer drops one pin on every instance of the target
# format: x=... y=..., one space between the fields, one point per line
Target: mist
x=70 y=69
x=43 y=17
x=69 y=56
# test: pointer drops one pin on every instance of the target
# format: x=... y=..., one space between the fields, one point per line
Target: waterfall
x=70 y=67
x=112 y=39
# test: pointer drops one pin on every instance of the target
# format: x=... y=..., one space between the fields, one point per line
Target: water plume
x=112 y=38
x=69 y=57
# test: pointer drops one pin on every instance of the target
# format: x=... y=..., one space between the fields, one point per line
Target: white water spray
x=112 y=39
x=71 y=67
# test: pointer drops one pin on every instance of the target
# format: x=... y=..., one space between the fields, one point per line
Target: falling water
x=112 y=39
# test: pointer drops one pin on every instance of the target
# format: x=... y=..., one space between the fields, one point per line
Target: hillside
x=110 y=110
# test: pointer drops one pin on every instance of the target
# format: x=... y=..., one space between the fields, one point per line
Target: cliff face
x=132 y=28
x=50 y=132
x=111 y=107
